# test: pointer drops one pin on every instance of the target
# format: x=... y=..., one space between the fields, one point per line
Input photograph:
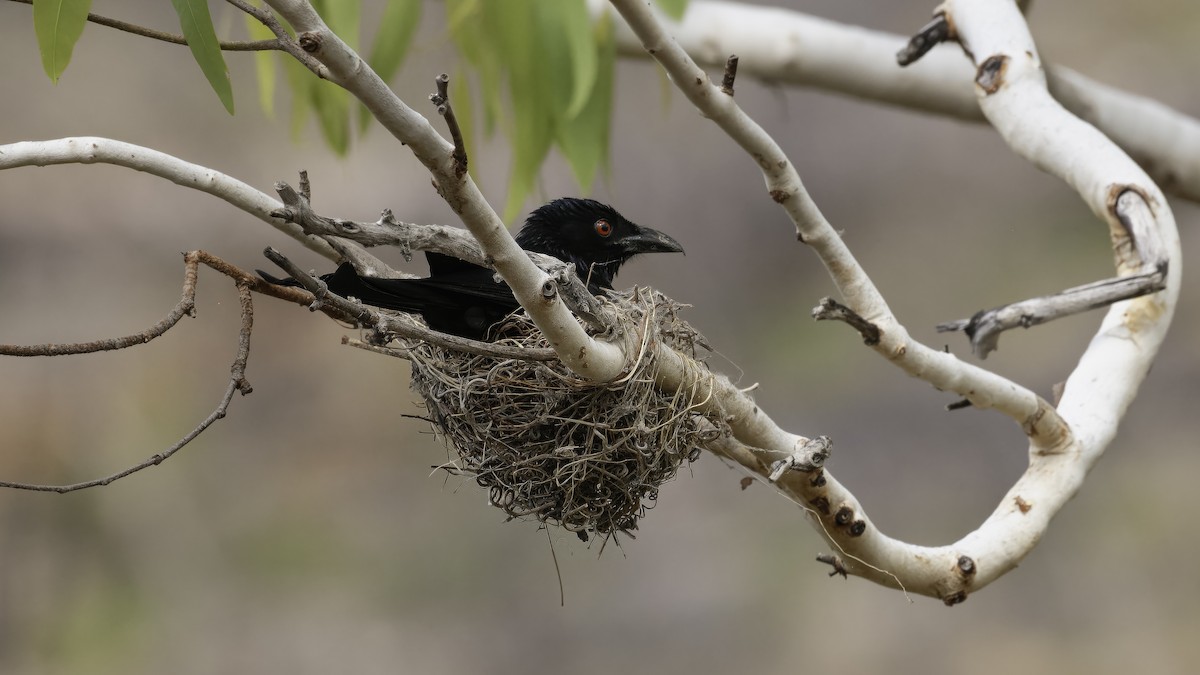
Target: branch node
x=829 y=309
x=310 y=42
x=834 y=561
x=955 y=598
x=808 y=456
x=959 y=404
x=731 y=67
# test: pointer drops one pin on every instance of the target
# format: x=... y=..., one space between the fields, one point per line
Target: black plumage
x=464 y=299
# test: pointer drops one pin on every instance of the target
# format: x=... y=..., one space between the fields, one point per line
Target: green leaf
x=332 y=105
x=673 y=8
x=264 y=65
x=300 y=82
x=331 y=102
x=197 y=26
x=396 y=29
x=584 y=138
x=518 y=29
x=577 y=28
x=480 y=48
x=58 y=25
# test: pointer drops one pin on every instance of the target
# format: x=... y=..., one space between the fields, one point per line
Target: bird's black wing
x=465 y=301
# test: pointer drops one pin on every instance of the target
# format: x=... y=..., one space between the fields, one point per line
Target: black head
x=593 y=236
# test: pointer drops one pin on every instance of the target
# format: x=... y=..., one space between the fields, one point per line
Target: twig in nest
x=367 y=346
x=442 y=100
x=237 y=377
x=585 y=456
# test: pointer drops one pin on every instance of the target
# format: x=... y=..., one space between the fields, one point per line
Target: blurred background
x=305 y=533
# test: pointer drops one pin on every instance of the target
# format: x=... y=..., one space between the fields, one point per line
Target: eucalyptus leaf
x=673 y=8
x=58 y=24
x=197 y=26
x=396 y=30
x=265 y=66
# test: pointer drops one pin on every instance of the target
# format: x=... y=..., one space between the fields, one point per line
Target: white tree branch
x=781 y=45
x=1144 y=233
x=96 y=150
x=1013 y=94
x=534 y=289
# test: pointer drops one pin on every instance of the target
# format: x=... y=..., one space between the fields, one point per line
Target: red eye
x=603 y=227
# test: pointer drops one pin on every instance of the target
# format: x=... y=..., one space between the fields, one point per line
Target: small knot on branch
x=809 y=455
x=310 y=42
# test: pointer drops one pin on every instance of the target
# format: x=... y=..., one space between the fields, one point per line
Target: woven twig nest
x=546 y=444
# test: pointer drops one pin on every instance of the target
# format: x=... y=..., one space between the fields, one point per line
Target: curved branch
x=96 y=150
x=1017 y=103
x=784 y=46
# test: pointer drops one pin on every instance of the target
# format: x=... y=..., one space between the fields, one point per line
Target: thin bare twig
x=185 y=307
x=985 y=327
x=237 y=382
x=173 y=38
x=442 y=100
x=367 y=317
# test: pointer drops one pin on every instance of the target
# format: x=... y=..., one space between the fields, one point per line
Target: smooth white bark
x=785 y=46
x=1103 y=383
x=96 y=150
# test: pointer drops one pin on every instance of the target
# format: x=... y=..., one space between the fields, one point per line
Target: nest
x=545 y=444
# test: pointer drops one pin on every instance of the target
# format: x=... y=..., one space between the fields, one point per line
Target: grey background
x=305 y=533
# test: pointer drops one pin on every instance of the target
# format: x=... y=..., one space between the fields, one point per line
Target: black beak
x=649 y=240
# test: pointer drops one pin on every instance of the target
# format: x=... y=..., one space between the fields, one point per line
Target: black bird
x=464 y=299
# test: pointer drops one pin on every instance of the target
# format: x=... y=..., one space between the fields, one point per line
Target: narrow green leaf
x=673 y=8
x=577 y=29
x=480 y=48
x=332 y=105
x=396 y=29
x=584 y=138
x=301 y=82
x=197 y=26
x=518 y=30
x=58 y=25
x=265 y=66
